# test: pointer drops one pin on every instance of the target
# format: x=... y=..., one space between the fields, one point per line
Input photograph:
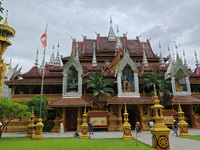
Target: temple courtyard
x=176 y=143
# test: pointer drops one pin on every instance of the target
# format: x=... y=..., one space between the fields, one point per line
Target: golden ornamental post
x=159 y=130
x=84 y=126
x=31 y=125
x=6 y=32
x=183 y=125
x=126 y=126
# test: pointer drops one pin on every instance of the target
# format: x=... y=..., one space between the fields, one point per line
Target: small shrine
x=126 y=126
x=183 y=125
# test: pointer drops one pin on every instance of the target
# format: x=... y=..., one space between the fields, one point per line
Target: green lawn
x=194 y=137
x=71 y=144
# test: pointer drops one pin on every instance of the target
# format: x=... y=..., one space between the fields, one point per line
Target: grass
x=194 y=137
x=71 y=144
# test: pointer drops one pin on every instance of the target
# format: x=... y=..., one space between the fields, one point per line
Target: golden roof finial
x=180 y=110
x=85 y=109
x=6 y=20
x=156 y=100
x=125 y=108
x=154 y=86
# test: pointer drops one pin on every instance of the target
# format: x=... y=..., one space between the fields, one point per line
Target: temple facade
x=121 y=60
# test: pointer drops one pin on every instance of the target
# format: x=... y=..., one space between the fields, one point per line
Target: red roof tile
x=53 y=74
x=98 y=113
x=169 y=112
x=130 y=100
x=135 y=47
x=70 y=102
x=37 y=80
x=186 y=99
x=148 y=50
x=34 y=72
x=56 y=68
x=197 y=71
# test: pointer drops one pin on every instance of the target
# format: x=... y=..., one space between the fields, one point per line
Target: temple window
x=72 y=80
x=127 y=79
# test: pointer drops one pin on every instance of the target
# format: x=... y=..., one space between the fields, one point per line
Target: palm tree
x=162 y=86
x=99 y=85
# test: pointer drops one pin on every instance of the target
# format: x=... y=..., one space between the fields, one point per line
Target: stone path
x=176 y=143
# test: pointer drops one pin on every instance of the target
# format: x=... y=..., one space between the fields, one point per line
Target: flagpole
x=43 y=77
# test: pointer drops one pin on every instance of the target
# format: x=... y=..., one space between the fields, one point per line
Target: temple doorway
x=134 y=114
x=71 y=119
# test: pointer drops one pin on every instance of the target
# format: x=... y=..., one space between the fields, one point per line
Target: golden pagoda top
x=156 y=100
x=180 y=109
x=6 y=27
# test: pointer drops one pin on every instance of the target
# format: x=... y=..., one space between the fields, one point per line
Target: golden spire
x=156 y=100
x=6 y=20
x=125 y=110
x=85 y=109
x=180 y=110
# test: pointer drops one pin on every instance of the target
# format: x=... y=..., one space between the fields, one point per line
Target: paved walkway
x=176 y=143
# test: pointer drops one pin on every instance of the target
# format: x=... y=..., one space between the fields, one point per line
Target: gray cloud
x=165 y=21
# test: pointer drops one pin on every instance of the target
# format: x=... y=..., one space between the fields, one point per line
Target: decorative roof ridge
x=151 y=49
x=112 y=99
x=86 y=74
x=140 y=45
x=86 y=100
x=93 y=67
x=127 y=42
x=116 y=57
x=132 y=39
x=84 y=45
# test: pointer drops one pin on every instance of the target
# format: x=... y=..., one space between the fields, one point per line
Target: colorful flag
x=44 y=39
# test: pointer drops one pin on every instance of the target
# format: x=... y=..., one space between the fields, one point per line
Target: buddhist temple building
x=121 y=60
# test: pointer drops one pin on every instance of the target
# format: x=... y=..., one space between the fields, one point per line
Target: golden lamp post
x=30 y=127
x=183 y=125
x=159 y=130
x=84 y=126
x=6 y=32
x=126 y=126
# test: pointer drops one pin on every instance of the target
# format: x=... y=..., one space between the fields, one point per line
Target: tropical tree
x=10 y=110
x=99 y=85
x=35 y=102
x=162 y=86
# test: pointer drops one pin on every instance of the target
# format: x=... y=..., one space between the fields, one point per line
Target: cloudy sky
x=161 y=20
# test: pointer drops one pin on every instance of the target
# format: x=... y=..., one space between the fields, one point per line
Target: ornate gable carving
x=126 y=60
x=179 y=66
x=72 y=78
x=127 y=77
